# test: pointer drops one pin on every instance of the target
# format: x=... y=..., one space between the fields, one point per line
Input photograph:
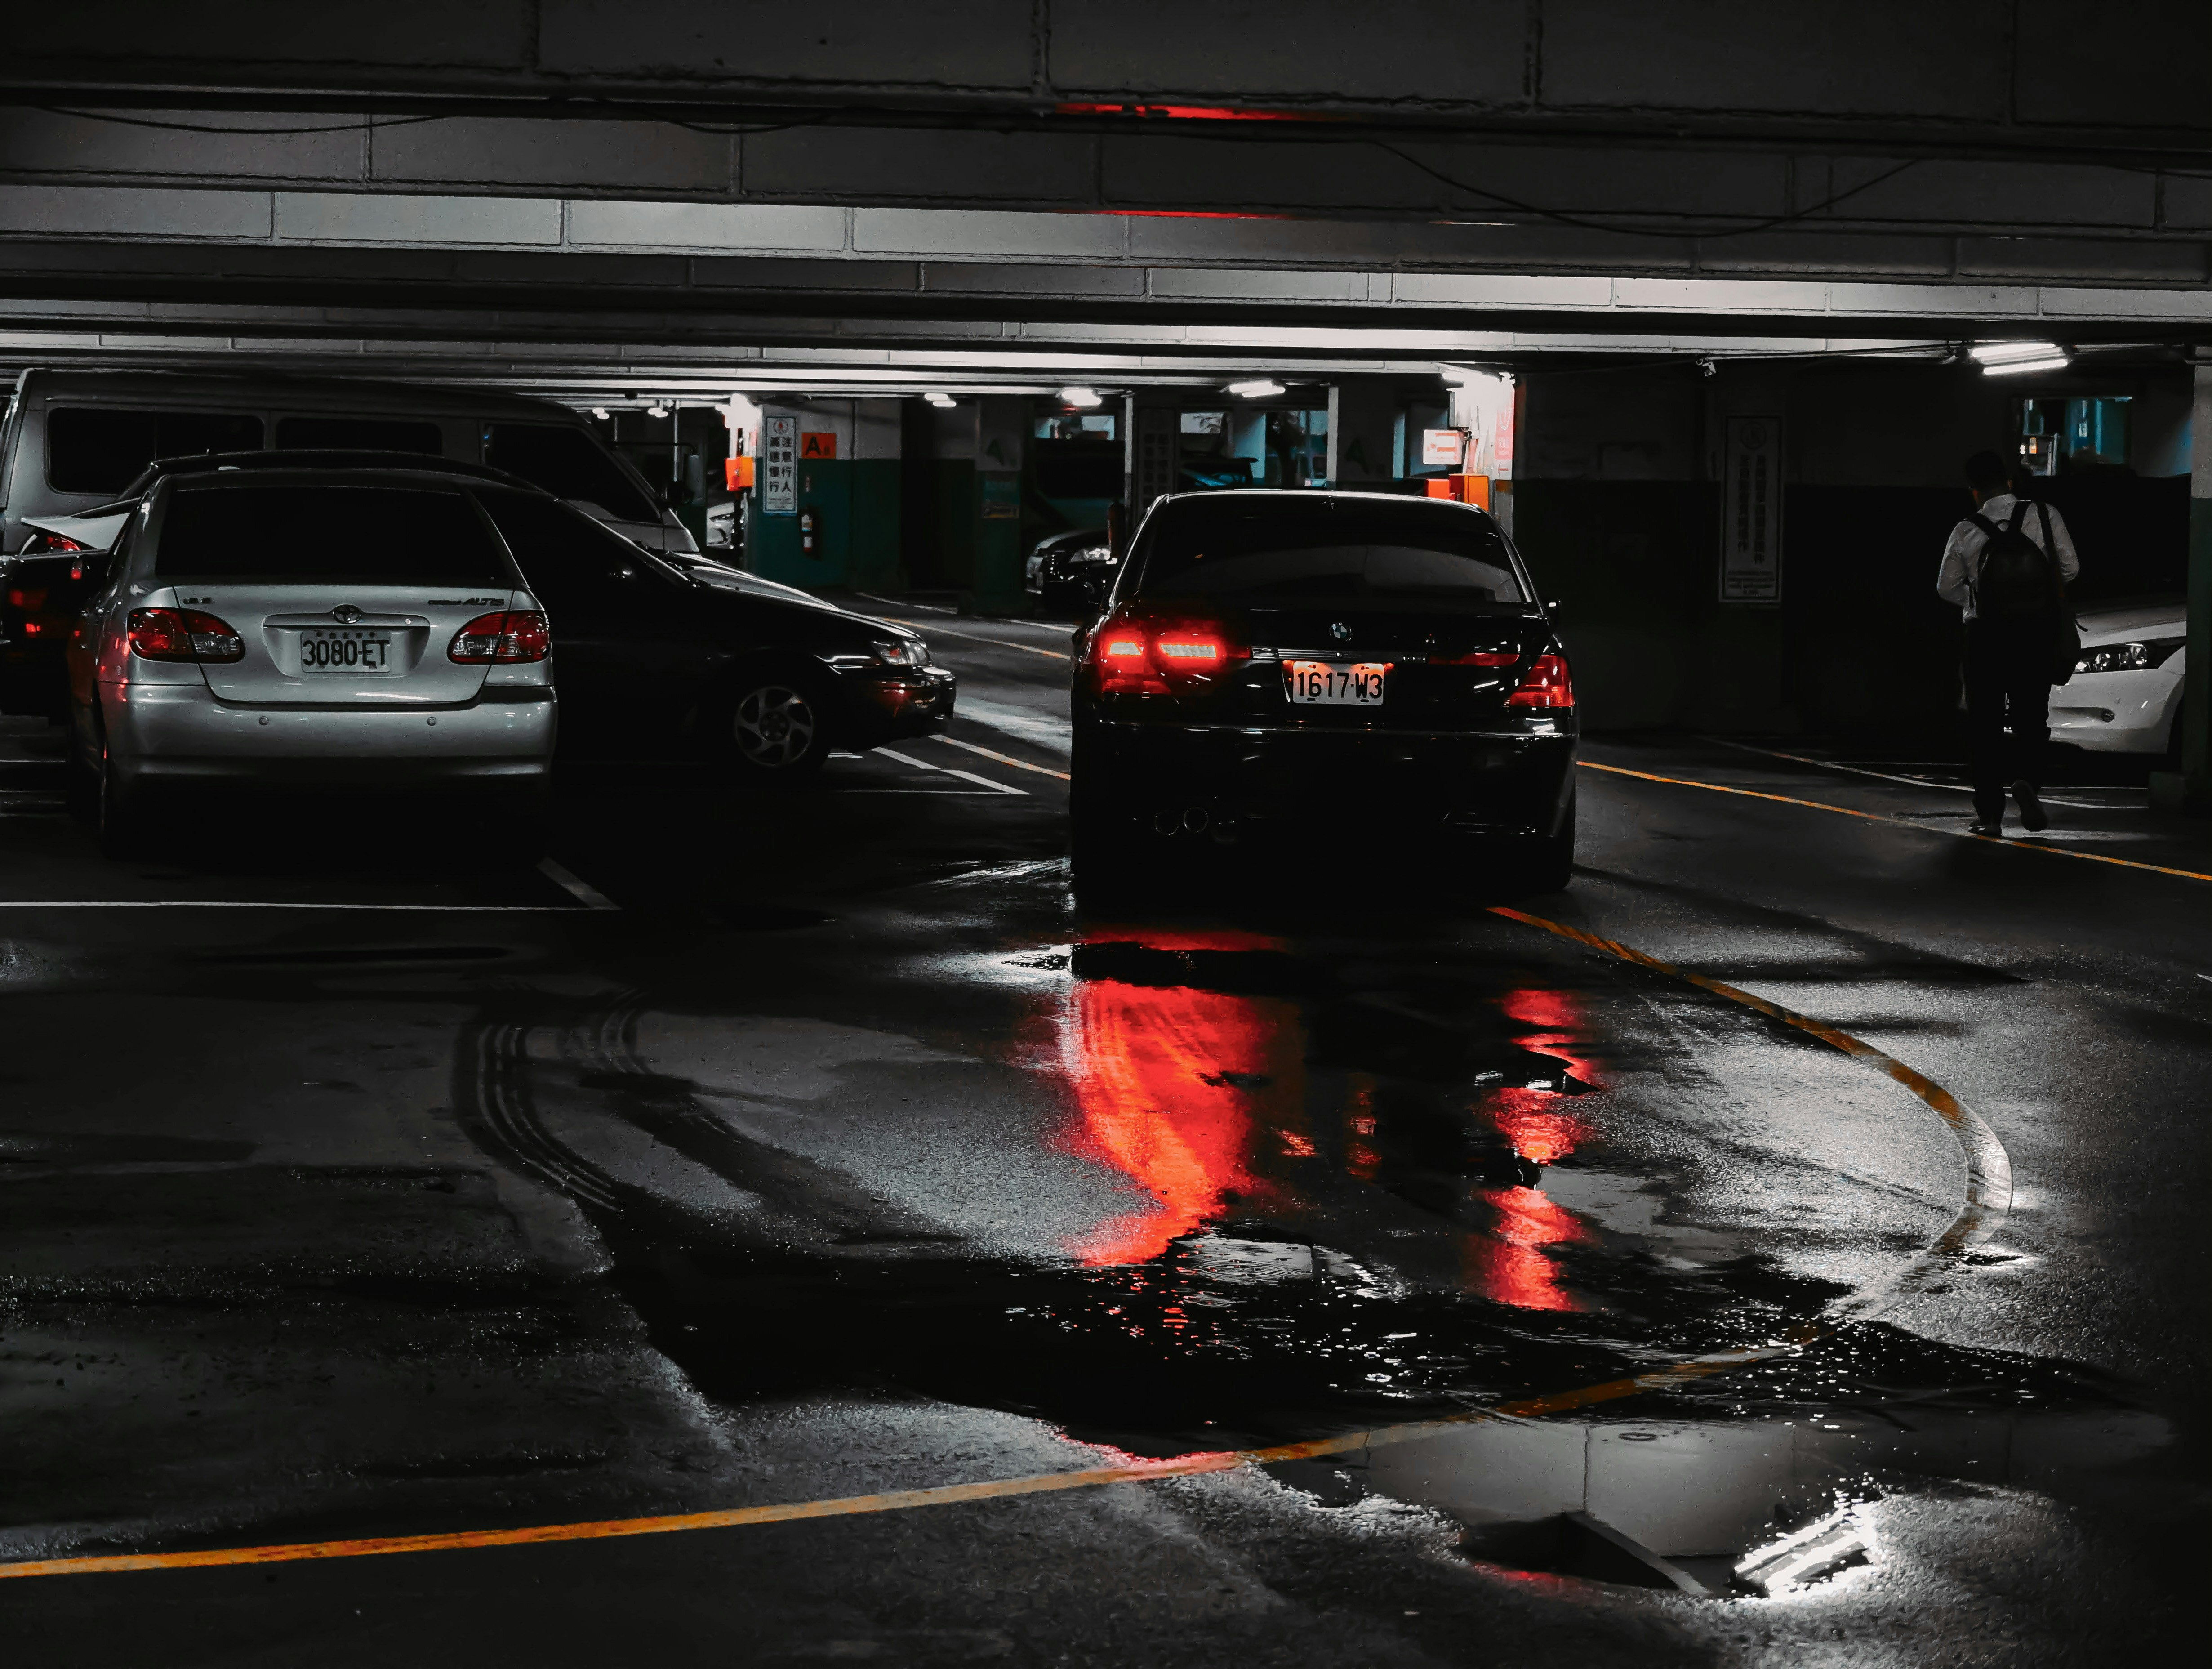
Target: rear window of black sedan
x=302 y=532
x=1283 y=551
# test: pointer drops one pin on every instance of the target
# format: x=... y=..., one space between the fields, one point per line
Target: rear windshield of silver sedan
x=1278 y=553
x=299 y=533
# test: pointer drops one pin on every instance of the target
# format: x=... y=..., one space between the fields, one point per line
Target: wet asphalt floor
x=820 y=1146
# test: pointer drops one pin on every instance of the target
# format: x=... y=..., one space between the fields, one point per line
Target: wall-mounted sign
x=779 y=463
x=1002 y=495
x=1750 y=512
x=819 y=443
x=1441 y=448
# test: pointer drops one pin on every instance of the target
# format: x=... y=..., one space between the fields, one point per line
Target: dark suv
x=1350 y=672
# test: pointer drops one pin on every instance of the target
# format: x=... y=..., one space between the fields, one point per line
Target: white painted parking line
x=1910 y=781
x=926 y=608
x=1002 y=788
x=947 y=770
x=904 y=759
x=1003 y=758
x=1054 y=735
x=974 y=637
x=576 y=887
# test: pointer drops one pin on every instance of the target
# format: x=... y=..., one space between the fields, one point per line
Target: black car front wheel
x=774 y=728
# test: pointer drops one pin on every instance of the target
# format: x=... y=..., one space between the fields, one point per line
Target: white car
x=2126 y=693
x=52 y=535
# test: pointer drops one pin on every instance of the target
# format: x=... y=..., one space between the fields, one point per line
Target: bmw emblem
x=1340 y=631
x=345 y=614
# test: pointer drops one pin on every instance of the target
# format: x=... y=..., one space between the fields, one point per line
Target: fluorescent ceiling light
x=2007 y=353
x=942 y=402
x=656 y=411
x=600 y=412
x=1264 y=388
x=2053 y=361
x=1079 y=397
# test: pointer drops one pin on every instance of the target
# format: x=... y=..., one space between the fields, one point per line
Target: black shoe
x=2031 y=809
x=1991 y=827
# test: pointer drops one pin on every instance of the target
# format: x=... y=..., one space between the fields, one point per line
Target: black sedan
x=1062 y=568
x=1361 y=676
x=649 y=658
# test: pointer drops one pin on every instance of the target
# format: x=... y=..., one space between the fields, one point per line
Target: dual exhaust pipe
x=1191 y=819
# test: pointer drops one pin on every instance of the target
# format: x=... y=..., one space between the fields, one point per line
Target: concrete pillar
x=1001 y=422
x=2196 y=679
x=848 y=476
x=1362 y=417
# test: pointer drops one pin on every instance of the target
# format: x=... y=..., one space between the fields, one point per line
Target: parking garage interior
x=779 y=1219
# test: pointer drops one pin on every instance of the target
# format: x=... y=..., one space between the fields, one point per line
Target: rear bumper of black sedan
x=1503 y=785
x=882 y=706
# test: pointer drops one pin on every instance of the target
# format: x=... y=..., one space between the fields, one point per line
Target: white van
x=72 y=440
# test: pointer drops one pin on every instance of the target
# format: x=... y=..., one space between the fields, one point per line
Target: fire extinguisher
x=808 y=529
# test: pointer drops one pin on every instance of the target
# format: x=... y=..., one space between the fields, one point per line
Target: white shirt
x=1962 y=558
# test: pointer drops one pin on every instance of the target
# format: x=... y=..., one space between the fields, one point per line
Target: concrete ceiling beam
x=1985 y=74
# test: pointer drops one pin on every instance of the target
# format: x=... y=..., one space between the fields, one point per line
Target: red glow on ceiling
x=1149 y=1065
x=1190 y=112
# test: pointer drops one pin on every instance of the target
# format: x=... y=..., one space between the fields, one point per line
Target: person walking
x=2006 y=568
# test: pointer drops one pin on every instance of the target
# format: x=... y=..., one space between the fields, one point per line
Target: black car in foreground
x=1358 y=677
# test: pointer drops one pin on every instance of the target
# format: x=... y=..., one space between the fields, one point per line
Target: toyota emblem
x=1340 y=631
x=345 y=614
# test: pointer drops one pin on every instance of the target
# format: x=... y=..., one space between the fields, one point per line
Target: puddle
x=1359 y=1186
x=1759 y=1507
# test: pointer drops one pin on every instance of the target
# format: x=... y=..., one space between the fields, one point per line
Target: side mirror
x=1554 y=608
x=1094 y=588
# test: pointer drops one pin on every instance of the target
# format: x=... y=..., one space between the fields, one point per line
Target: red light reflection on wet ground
x=1508 y=1263
x=1151 y=1068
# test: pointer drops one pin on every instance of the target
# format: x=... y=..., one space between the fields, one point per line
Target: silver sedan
x=362 y=630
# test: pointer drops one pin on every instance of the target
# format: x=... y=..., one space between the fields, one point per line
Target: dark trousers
x=2008 y=708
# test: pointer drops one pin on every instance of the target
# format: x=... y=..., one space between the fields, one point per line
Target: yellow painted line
x=1003 y=758
x=901 y=1501
x=2027 y=845
x=1988 y=1170
x=1003 y=642
x=1989 y=1191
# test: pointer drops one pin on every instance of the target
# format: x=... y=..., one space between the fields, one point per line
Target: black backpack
x=2020 y=583
x=2017 y=581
